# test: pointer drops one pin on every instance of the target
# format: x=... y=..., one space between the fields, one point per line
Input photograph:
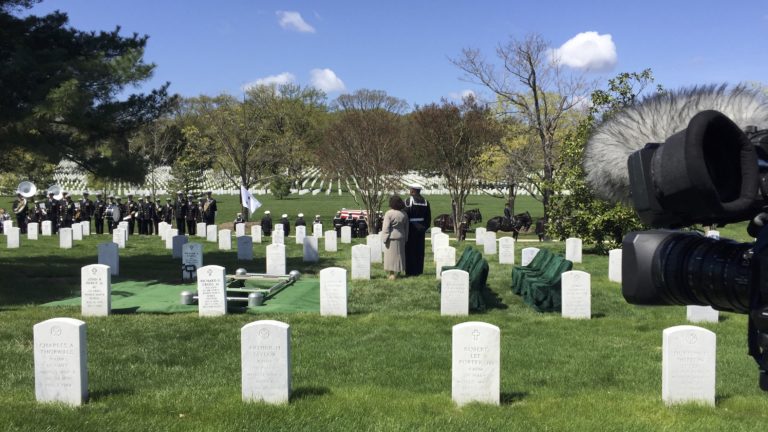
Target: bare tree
x=453 y=139
x=365 y=141
x=531 y=85
x=158 y=143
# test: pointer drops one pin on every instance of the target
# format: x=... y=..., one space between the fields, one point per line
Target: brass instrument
x=206 y=205
x=57 y=192
x=21 y=207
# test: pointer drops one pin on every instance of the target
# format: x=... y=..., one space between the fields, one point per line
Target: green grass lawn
x=387 y=366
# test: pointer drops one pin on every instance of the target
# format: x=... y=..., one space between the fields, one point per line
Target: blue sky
x=403 y=47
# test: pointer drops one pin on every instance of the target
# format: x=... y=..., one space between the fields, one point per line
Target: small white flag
x=248 y=200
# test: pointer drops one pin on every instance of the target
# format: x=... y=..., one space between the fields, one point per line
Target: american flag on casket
x=353 y=214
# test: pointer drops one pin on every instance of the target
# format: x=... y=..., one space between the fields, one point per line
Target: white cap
x=317 y=216
x=266 y=211
x=415 y=186
x=301 y=214
x=284 y=215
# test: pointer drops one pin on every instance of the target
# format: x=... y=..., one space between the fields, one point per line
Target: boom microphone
x=654 y=120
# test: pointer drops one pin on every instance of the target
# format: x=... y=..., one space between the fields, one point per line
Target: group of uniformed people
x=143 y=215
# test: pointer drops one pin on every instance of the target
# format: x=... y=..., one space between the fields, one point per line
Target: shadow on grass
x=309 y=392
x=124 y=311
x=509 y=398
x=95 y=396
x=598 y=315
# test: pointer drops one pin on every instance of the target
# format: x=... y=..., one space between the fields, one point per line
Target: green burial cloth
x=155 y=297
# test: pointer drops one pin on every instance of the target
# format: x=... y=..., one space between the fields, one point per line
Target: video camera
x=713 y=172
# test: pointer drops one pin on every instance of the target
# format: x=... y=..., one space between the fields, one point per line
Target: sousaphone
x=56 y=191
x=27 y=189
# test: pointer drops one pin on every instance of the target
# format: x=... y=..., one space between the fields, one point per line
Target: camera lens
x=677 y=268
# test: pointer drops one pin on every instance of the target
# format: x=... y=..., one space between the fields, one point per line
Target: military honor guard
x=166 y=211
x=419 y=218
x=209 y=209
x=86 y=209
x=132 y=212
x=180 y=208
x=99 y=213
x=192 y=215
x=66 y=211
x=286 y=224
x=266 y=224
x=21 y=210
x=52 y=211
x=300 y=220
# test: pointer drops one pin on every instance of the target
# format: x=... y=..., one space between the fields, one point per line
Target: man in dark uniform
x=21 y=209
x=192 y=215
x=66 y=211
x=180 y=211
x=123 y=211
x=150 y=212
x=300 y=220
x=154 y=217
x=52 y=212
x=266 y=224
x=141 y=216
x=419 y=217
x=209 y=207
x=109 y=217
x=286 y=224
x=86 y=209
x=166 y=211
x=132 y=208
x=338 y=222
x=507 y=213
x=99 y=211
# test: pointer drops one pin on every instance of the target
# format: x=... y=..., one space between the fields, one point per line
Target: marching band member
x=209 y=210
x=180 y=208
x=21 y=210
x=99 y=211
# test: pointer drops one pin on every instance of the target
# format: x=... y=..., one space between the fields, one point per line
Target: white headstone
x=61 y=361
x=317 y=230
x=95 y=290
x=330 y=241
x=489 y=244
x=124 y=227
x=33 y=229
x=527 y=255
x=310 y=249
x=346 y=234
x=476 y=363
x=225 y=239
x=454 y=293
x=245 y=248
x=118 y=237
x=614 y=265
x=178 y=243
x=65 y=238
x=12 y=237
x=301 y=232
x=86 y=228
x=201 y=229
x=47 y=228
x=239 y=229
x=713 y=234
x=440 y=240
x=77 y=231
x=361 y=262
x=480 y=236
x=169 y=236
x=506 y=250
x=109 y=256
x=702 y=314
x=688 y=365
x=444 y=256
x=333 y=291
x=162 y=227
x=265 y=353
x=278 y=235
x=576 y=294
x=573 y=249
x=211 y=291
x=256 y=233
x=374 y=242
x=192 y=254
x=434 y=231
x=211 y=233
x=7 y=225
x=276 y=259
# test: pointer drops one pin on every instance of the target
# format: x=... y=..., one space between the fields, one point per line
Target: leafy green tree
x=575 y=212
x=280 y=187
x=61 y=92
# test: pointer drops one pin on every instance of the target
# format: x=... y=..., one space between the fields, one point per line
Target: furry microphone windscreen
x=653 y=120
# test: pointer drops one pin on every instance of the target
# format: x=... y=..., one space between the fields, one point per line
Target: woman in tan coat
x=394 y=232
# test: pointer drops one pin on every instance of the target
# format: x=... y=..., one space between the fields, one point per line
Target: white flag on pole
x=248 y=200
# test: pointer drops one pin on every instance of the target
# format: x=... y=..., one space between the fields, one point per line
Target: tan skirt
x=394 y=256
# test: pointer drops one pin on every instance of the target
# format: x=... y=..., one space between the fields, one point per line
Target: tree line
x=62 y=95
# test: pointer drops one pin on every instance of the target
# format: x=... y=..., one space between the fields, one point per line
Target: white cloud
x=291 y=20
x=462 y=94
x=588 y=51
x=326 y=80
x=279 y=79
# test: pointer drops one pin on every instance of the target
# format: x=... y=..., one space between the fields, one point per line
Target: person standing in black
x=286 y=224
x=52 y=212
x=99 y=210
x=141 y=216
x=86 y=209
x=209 y=210
x=192 y=215
x=133 y=212
x=419 y=217
x=166 y=212
x=180 y=211
x=266 y=224
x=21 y=210
x=66 y=211
x=300 y=220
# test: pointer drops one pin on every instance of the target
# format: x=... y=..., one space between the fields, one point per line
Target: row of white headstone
x=61 y=362
x=66 y=235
